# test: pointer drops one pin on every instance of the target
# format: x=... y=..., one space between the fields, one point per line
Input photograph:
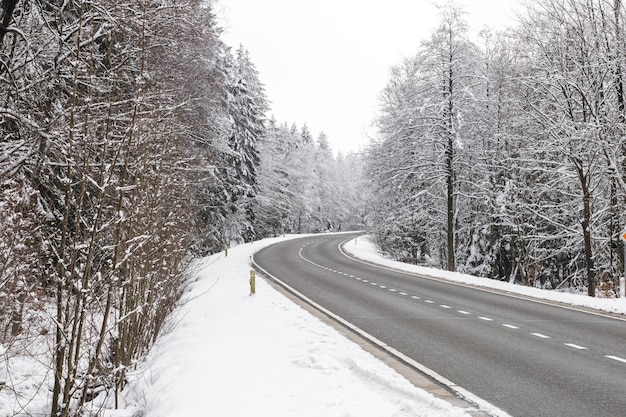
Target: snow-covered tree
x=303 y=187
x=428 y=130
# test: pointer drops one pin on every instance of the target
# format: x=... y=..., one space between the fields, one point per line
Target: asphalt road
x=530 y=359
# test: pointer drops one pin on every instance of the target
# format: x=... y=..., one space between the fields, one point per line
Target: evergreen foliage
x=132 y=140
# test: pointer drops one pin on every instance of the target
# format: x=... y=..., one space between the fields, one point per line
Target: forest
x=133 y=141
x=502 y=154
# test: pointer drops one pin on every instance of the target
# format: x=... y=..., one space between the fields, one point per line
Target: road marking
x=351 y=276
x=485 y=318
x=455 y=388
x=444 y=306
x=429 y=302
x=393 y=290
x=510 y=326
x=415 y=297
x=616 y=358
x=403 y=293
x=365 y=280
x=373 y=283
x=489 y=290
x=542 y=336
x=575 y=346
x=383 y=287
x=360 y=279
x=464 y=312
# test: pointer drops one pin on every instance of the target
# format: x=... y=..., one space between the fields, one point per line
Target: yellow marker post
x=252 y=282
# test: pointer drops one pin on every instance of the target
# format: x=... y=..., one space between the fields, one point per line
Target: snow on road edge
x=363 y=248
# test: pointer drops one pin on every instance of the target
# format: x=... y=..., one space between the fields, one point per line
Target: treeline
x=303 y=188
x=505 y=156
x=132 y=140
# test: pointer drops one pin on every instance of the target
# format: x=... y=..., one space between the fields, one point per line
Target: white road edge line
x=475 y=287
x=482 y=404
x=616 y=358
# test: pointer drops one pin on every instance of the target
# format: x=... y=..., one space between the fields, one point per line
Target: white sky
x=324 y=62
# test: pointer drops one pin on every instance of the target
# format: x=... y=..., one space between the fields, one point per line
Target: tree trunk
x=450 y=157
x=450 y=205
x=5 y=16
x=586 y=225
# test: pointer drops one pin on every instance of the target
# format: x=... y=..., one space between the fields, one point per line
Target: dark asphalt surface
x=527 y=358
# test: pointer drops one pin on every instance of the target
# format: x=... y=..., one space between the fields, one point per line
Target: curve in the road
x=483 y=405
x=532 y=359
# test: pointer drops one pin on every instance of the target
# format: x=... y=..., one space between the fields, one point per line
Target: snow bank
x=232 y=354
x=363 y=248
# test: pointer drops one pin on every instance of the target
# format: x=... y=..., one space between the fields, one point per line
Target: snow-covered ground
x=233 y=354
x=365 y=249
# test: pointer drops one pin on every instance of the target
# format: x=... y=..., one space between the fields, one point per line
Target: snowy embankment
x=365 y=249
x=233 y=354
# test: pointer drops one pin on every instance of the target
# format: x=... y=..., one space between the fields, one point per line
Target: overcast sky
x=324 y=62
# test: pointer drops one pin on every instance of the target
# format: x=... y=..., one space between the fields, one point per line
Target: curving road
x=528 y=358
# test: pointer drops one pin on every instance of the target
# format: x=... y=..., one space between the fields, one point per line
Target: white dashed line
x=415 y=297
x=575 y=346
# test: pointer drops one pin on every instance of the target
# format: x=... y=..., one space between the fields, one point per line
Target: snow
x=230 y=353
x=365 y=249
